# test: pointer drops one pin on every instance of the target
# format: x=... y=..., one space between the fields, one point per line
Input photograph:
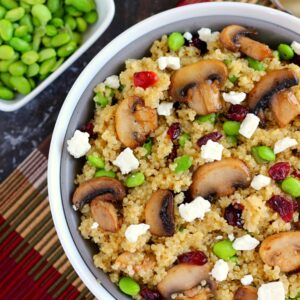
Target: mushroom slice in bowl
x=134 y=121
x=245 y=293
x=235 y=38
x=199 y=85
x=159 y=213
x=282 y=250
x=220 y=178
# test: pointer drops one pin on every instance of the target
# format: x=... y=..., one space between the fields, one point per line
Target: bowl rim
x=253 y=11
x=107 y=12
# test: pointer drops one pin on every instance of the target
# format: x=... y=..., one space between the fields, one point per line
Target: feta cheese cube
x=234 y=97
x=211 y=151
x=272 y=290
x=94 y=225
x=284 y=144
x=171 y=62
x=188 y=36
x=126 y=161
x=133 y=231
x=249 y=125
x=245 y=243
x=220 y=270
x=231 y=237
x=165 y=108
x=296 y=47
x=260 y=181
x=112 y=82
x=195 y=209
x=219 y=237
x=74 y=207
x=206 y=35
x=79 y=145
x=247 y=279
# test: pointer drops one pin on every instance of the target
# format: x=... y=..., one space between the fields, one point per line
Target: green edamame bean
x=232 y=140
x=34 y=2
x=255 y=64
x=101 y=100
x=233 y=79
x=27 y=38
x=46 y=41
x=51 y=30
x=60 y=39
x=21 y=84
x=76 y=37
x=42 y=13
x=15 y=14
x=6 y=52
x=5 y=78
x=231 y=127
x=81 y=24
x=210 y=118
x=6 y=30
x=19 y=44
x=135 y=179
x=183 y=139
x=21 y=31
x=82 y=5
x=2 y=12
x=67 y=49
x=46 y=54
x=32 y=83
x=59 y=13
x=33 y=70
x=183 y=163
x=26 y=6
x=6 y=93
x=37 y=38
x=47 y=66
x=148 y=145
x=129 y=286
x=57 y=22
x=57 y=64
x=91 y=17
x=53 y=5
x=30 y=57
x=17 y=68
x=263 y=154
x=285 y=52
x=291 y=186
x=9 y=4
x=36 y=22
x=4 y=64
x=72 y=11
x=27 y=20
x=71 y=22
x=95 y=161
x=175 y=41
x=224 y=250
x=105 y=173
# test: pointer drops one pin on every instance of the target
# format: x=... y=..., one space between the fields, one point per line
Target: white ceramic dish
x=274 y=27
x=106 y=11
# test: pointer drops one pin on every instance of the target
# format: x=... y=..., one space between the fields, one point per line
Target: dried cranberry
x=214 y=136
x=296 y=60
x=173 y=153
x=296 y=174
x=186 y=2
x=193 y=257
x=279 y=171
x=237 y=113
x=148 y=294
x=197 y=43
x=233 y=214
x=174 y=131
x=89 y=128
x=144 y=79
x=284 y=207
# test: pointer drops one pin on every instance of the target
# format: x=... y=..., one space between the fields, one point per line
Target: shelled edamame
x=36 y=36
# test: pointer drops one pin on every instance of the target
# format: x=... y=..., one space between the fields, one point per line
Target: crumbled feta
x=234 y=97
x=206 y=35
x=271 y=290
x=231 y=237
x=245 y=243
x=260 y=181
x=112 y=82
x=126 y=161
x=195 y=209
x=296 y=47
x=133 y=232
x=220 y=270
x=211 y=151
x=219 y=237
x=284 y=144
x=74 y=207
x=249 y=125
x=94 y=225
x=165 y=108
x=79 y=145
x=171 y=62
x=247 y=279
x=188 y=36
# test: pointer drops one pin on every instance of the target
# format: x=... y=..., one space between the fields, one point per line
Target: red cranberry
x=144 y=79
x=174 y=131
x=186 y=2
x=284 y=207
x=197 y=43
x=173 y=153
x=89 y=128
x=233 y=214
x=296 y=60
x=148 y=294
x=237 y=113
x=214 y=136
x=193 y=257
x=296 y=174
x=279 y=171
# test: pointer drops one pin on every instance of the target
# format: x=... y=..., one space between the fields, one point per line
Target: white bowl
x=106 y=11
x=274 y=27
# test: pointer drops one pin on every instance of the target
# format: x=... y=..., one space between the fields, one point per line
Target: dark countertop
x=24 y=129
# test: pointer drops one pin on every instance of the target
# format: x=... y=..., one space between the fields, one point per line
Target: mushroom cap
x=220 y=178
x=282 y=250
x=245 y=293
x=134 y=121
x=268 y=86
x=183 y=277
x=104 y=188
x=159 y=213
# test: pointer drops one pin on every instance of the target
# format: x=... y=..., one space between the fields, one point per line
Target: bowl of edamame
x=40 y=39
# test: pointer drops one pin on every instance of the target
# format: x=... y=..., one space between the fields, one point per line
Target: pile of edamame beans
x=36 y=36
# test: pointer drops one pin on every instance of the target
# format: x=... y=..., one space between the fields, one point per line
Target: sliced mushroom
x=104 y=188
x=245 y=293
x=183 y=277
x=199 y=85
x=220 y=178
x=134 y=121
x=235 y=38
x=159 y=213
x=282 y=250
x=285 y=107
x=269 y=85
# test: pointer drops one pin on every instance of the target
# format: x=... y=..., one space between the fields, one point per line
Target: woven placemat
x=32 y=262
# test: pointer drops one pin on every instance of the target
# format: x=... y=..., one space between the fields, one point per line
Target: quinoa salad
x=192 y=169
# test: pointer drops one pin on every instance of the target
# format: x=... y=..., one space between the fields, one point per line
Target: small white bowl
x=106 y=11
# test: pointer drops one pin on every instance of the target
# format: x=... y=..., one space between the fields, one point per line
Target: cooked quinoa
x=148 y=259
